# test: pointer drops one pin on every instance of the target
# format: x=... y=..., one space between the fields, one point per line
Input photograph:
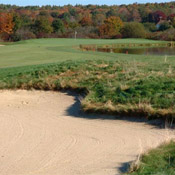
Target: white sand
x=39 y=137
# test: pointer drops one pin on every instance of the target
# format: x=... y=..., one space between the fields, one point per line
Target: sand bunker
x=40 y=136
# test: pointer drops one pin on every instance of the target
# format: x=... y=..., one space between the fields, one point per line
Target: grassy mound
x=159 y=161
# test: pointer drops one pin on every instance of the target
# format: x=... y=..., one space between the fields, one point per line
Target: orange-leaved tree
x=86 y=20
x=6 y=23
x=111 y=27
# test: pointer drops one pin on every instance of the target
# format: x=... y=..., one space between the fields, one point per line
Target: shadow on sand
x=124 y=167
x=75 y=111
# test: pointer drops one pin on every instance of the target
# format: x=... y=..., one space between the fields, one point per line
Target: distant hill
x=88 y=21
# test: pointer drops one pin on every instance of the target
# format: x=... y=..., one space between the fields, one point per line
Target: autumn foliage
x=89 y=21
x=86 y=21
x=111 y=27
x=6 y=23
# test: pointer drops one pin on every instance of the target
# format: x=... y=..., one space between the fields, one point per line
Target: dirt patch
x=39 y=135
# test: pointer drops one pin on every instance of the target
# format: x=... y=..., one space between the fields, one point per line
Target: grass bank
x=159 y=161
x=115 y=87
x=133 y=44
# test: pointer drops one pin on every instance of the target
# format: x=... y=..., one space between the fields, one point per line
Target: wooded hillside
x=152 y=20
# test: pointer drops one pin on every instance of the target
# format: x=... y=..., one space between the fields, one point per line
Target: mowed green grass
x=44 y=51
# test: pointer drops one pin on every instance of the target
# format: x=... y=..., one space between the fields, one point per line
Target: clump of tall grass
x=160 y=161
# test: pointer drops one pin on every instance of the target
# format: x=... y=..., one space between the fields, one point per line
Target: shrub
x=167 y=35
x=15 y=37
x=150 y=27
x=26 y=34
x=164 y=26
x=133 y=30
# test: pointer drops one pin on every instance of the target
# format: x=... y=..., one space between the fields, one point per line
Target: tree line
x=151 y=20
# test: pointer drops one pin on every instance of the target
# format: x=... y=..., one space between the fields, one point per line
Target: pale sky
x=74 y=2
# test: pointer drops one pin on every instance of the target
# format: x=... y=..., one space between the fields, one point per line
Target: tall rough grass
x=158 y=161
x=135 y=88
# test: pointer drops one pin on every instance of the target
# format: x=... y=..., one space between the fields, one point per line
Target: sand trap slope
x=38 y=137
